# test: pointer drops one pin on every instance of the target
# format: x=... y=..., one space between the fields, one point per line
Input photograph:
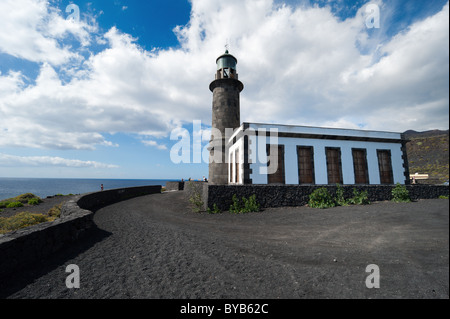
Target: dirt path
x=154 y=247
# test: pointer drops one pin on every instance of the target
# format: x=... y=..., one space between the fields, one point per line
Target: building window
x=305 y=157
x=385 y=166
x=236 y=162
x=278 y=176
x=360 y=166
x=334 y=165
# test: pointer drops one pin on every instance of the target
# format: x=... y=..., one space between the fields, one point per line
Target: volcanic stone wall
x=298 y=195
x=23 y=247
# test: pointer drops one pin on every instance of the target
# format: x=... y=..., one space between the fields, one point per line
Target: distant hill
x=428 y=153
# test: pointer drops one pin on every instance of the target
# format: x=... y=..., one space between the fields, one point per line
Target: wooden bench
x=418 y=176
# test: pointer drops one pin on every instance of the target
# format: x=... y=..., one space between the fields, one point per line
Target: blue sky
x=99 y=97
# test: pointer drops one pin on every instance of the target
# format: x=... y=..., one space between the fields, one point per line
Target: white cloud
x=299 y=65
x=32 y=30
x=154 y=144
x=13 y=160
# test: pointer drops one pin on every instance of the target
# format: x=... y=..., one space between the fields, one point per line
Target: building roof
x=298 y=131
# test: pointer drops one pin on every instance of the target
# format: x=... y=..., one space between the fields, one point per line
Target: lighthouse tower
x=225 y=114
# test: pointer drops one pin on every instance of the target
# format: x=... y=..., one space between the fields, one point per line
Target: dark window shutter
x=385 y=166
x=360 y=166
x=279 y=176
x=334 y=165
x=305 y=157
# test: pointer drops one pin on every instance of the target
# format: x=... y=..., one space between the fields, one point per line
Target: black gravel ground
x=154 y=247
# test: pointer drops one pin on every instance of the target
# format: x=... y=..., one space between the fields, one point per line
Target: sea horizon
x=48 y=186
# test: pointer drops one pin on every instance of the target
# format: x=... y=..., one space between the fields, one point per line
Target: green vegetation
x=196 y=197
x=443 y=197
x=20 y=220
x=215 y=210
x=24 y=198
x=400 y=194
x=26 y=219
x=20 y=201
x=321 y=198
x=340 y=199
x=55 y=211
x=245 y=205
x=197 y=202
x=14 y=205
x=34 y=201
x=359 y=198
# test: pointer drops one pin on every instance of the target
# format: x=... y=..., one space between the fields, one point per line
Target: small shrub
x=443 y=197
x=196 y=198
x=14 y=205
x=321 y=198
x=247 y=206
x=236 y=206
x=215 y=210
x=339 y=199
x=34 y=201
x=54 y=212
x=400 y=194
x=24 y=198
x=4 y=204
x=359 y=198
x=196 y=201
x=250 y=204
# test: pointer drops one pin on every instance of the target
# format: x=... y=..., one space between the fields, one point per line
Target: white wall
x=258 y=157
x=239 y=145
x=258 y=162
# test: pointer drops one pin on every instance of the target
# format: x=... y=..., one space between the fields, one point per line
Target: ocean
x=43 y=187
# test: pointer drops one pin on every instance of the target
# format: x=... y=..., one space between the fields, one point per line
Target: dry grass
x=26 y=219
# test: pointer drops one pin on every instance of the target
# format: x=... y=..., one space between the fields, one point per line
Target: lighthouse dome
x=226 y=60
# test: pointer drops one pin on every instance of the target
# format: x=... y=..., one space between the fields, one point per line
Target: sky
x=110 y=88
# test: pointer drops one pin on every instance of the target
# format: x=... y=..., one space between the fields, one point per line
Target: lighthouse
x=225 y=114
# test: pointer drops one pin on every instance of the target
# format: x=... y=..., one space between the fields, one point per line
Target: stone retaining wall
x=193 y=188
x=298 y=195
x=97 y=200
x=21 y=248
x=174 y=186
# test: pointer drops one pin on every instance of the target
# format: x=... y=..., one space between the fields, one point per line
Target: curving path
x=154 y=247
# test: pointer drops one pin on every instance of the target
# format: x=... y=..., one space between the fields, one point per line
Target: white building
x=315 y=155
x=299 y=154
